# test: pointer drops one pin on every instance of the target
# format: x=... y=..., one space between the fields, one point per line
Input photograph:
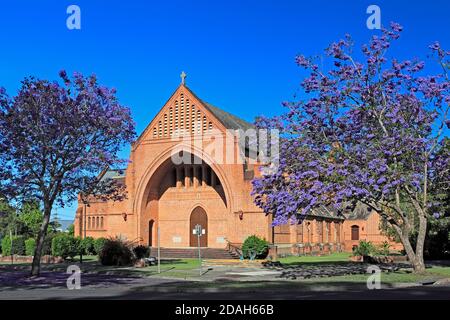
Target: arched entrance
x=198 y=216
x=158 y=197
x=151 y=223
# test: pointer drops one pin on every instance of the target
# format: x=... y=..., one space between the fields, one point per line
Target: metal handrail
x=233 y=248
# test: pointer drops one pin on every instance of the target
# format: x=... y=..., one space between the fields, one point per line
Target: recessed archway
x=198 y=217
x=196 y=173
x=165 y=183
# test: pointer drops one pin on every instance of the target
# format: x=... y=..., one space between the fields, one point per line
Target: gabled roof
x=360 y=212
x=325 y=212
x=223 y=119
x=228 y=120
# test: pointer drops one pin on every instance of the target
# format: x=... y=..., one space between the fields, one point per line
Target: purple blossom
x=364 y=133
x=54 y=142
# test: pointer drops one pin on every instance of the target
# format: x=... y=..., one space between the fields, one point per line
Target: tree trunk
x=36 y=265
x=419 y=264
x=415 y=258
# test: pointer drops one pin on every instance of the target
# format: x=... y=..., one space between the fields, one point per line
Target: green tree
x=71 y=230
x=31 y=217
x=9 y=222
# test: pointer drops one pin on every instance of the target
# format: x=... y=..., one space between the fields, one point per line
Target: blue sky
x=239 y=55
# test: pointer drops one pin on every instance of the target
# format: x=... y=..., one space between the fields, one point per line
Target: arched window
x=355 y=232
x=101 y=222
x=89 y=222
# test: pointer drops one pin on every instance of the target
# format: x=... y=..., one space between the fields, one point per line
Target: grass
x=401 y=276
x=173 y=268
x=337 y=257
x=188 y=269
x=177 y=268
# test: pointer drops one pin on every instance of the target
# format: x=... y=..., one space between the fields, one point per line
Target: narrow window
x=355 y=232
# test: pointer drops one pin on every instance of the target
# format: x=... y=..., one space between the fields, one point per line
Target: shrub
x=47 y=250
x=87 y=245
x=98 y=245
x=18 y=245
x=141 y=252
x=116 y=252
x=65 y=246
x=255 y=247
x=30 y=246
x=383 y=249
x=364 y=248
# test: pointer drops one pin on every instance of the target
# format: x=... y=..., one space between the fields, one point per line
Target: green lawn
x=189 y=268
x=180 y=268
x=173 y=268
x=331 y=258
x=401 y=276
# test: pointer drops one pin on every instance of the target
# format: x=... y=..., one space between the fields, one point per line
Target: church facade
x=176 y=179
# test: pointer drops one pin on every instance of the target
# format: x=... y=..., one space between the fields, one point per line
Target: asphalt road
x=158 y=288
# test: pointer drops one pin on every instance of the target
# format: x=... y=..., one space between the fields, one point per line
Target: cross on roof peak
x=183 y=76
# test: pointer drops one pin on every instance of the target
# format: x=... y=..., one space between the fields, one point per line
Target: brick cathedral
x=175 y=197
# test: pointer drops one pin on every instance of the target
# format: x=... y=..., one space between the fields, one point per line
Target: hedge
x=98 y=244
x=65 y=246
x=18 y=245
x=30 y=246
x=87 y=245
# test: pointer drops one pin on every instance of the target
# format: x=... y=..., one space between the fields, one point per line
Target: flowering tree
x=369 y=132
x=55 y=139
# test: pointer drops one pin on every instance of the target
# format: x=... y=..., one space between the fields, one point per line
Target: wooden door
x=198 y=216
x=355 y=232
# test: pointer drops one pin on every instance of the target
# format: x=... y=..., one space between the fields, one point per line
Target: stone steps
x=206 y=253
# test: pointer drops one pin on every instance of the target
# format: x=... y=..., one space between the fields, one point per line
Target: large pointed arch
x=143 y=190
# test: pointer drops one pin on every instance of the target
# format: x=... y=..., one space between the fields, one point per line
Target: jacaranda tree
x=368 y=131
x=55 y=139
